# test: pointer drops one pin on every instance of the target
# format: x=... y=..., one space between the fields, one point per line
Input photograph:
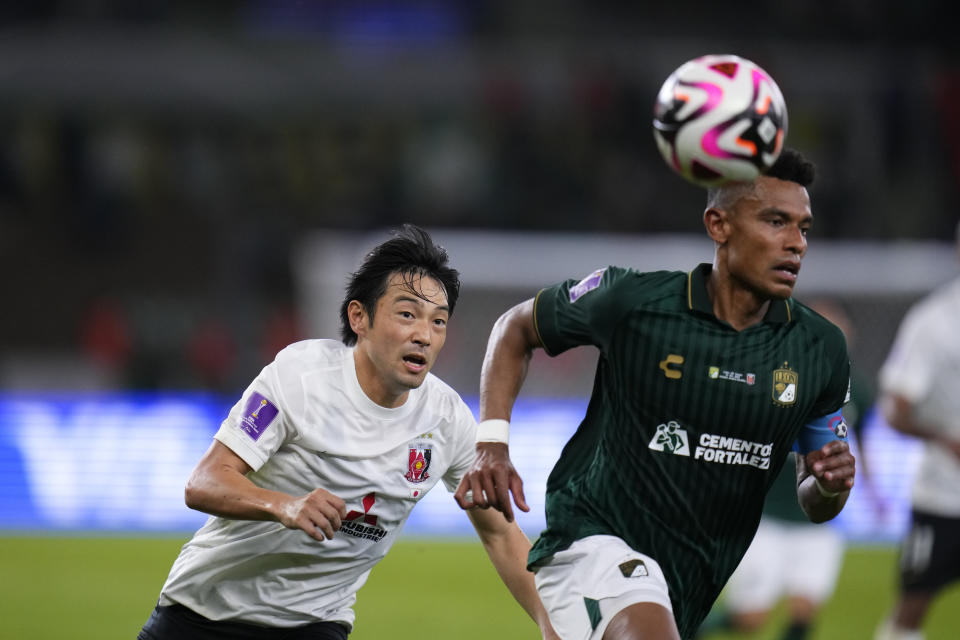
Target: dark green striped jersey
x=688 y=423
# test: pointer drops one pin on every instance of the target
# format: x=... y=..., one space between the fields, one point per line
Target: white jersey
x=924 y=367
x=305 y=423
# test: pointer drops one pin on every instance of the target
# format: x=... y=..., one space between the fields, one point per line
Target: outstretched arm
x=508 y=546
x=493 y=478
x=219 y=486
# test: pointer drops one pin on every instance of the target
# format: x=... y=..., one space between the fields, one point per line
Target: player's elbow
x=191 y=497
x=896 y=410
x=194 y=493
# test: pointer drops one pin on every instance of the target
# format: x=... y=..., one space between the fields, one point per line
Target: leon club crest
x=418 y=461
x=785 y=382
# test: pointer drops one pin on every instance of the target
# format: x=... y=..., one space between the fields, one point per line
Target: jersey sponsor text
x=727 y=450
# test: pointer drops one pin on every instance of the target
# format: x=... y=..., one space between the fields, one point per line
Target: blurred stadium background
x=185 y=185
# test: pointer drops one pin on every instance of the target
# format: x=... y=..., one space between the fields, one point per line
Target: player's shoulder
x=814 y=322
x=312 y=354
x=940 y=305
x=644 y=283
x=441 y=397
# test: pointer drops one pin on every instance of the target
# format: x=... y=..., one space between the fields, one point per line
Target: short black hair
x=791 y=166
x=411 y=253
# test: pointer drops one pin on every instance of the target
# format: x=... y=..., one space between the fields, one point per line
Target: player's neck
x=733 y=303
x=374 y=384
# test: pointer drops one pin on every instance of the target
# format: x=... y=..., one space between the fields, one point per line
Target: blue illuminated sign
x=119 y=462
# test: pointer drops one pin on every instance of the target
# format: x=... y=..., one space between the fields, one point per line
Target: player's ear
x=717 y=224
x=358 y=318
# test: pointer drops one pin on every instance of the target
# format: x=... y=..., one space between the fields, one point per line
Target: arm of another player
x=900 y=414
x=825 y=467
x=219 y=486
x=507 y=546
x=492 y=478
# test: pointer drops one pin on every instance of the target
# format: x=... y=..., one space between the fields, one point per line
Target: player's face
x=768 y=237
x=397 y=349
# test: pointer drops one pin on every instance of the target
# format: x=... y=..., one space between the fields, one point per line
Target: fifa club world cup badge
x=785 y=382
x=418 y=461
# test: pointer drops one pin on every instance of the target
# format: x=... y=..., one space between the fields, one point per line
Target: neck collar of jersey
x=699 y=300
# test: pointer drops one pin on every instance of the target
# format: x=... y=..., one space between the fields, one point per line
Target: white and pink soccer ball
x=719 y=119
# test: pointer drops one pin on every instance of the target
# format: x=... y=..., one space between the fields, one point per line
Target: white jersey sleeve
x=264 y=417
x=923 y=367
x=911 y=364
x=466 y=450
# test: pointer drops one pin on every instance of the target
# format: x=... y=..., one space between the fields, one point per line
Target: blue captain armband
x=819 y=432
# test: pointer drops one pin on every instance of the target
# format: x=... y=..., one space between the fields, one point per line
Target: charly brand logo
x=671 y=366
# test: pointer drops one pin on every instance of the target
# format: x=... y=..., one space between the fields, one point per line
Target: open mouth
x=415 y=361
x=789 y=269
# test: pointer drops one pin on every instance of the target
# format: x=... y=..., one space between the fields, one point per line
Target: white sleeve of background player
x=465 y=447
x=910 y=366
x=260 y=422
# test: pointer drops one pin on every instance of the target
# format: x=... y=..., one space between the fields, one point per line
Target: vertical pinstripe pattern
x=693 y=508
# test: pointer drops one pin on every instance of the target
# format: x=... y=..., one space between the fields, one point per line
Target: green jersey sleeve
x=580 y=312
x=837 y=390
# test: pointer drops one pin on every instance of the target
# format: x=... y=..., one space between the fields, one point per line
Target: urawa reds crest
x=418 y=462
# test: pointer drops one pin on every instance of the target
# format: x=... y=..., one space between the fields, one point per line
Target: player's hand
x=319 y=514
x=833 y=466
x=490 y=481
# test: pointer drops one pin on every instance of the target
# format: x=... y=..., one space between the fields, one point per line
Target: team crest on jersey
x=633 y=569
x=785 y=381
x=589 y=283
x=670 y=437
x=418 y=461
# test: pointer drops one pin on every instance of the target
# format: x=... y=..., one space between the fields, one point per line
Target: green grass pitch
x=104 y=588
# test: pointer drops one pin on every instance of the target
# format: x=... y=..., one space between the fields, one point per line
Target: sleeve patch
x=589 y=283
x=819 y=432
x=259 y=414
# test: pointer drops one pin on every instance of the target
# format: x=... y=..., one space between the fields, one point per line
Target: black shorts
x=930 y=553
x=177 y=622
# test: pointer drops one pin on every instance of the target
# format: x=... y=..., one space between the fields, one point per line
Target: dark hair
x=793 y=167
x=411 y=253
x=790 y=166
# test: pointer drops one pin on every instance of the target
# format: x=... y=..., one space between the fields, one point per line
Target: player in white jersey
x=919 y=386
x=312 y=475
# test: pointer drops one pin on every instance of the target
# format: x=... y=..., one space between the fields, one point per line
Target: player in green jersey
x=706 y=380
x=791 y=559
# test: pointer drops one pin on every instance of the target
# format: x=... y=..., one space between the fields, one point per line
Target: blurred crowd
x=155 y=237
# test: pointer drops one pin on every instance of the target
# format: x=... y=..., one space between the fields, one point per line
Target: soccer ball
x=719 y=119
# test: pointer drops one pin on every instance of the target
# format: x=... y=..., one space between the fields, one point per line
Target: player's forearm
x=900 y=414
x=229 y=494
x=817 y=506
x=509 y=349
x=507 y=549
